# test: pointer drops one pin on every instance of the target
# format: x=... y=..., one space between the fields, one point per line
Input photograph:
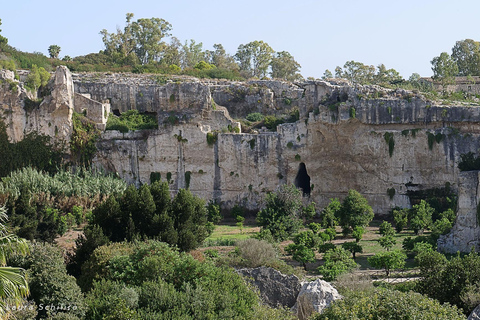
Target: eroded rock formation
x=314 y=297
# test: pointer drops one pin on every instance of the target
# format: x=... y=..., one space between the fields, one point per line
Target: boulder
x=276 y=289
x=475 y=315
x=314 y=297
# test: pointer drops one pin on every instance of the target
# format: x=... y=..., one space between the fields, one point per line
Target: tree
x=336 y=262
x=400 y=217
x=147 y=35
x=388 y=260
x=354 y=212
x=387 y=76
x=387 y=241
x=282 y=211
x=13 y=284
x=285 y=67
x=353 y=247
x=220 y=58
x=327 y=75
x=54 y=51
x=37 y=78
x=171 y=53
x=330 y=212
x=254 y=58
x=191 y=54
x=466 y=54
x=302 y=248
x=444 y=69
x=421 y=217
x=3 y=40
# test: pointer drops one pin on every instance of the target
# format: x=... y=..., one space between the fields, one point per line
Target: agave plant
x=13 y=285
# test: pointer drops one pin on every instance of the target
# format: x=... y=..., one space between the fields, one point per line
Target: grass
x=232 y=232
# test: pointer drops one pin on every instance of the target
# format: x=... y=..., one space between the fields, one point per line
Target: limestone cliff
x=367 y=138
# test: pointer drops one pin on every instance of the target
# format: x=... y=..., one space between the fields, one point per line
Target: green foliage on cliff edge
x=131 y=120
x=82 y=140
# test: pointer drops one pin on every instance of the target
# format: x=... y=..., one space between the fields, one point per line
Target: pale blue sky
x=404 y=35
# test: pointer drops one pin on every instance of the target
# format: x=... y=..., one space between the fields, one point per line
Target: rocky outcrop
x=314 y=297
x=475 y=315
x=276 y=289
x=465 y=234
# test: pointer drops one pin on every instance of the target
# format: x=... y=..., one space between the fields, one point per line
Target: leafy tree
x=37 y=78
x=387 y=241
x=387 y=76
x=171 y=54
x=315 y=227
x=285 y=67
x=327 y=75
x=466 y=54
x=353 y=247
x=3 y=40
x=450 y=280
x=330 y=212
x=254 y=58
x=49 y=282
x=213 y=212
x=282 y=211
x=421 y=217
x=191 y=54
x=303 y=246
x=388 y=304
x=400 y=217
x=444 y=69
x=357 y=233
x=354 y=212
x=13 y=284
x=54 y=51
x=147 y=35
x=220 y=58
x=388 y=260
x=336 y=262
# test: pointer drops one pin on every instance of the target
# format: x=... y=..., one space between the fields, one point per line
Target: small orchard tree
x=336 y=262
x=353 y=247
x=354 y=212
x=387 y=241
x=400 y=217
x=303 y=247
x=388 y=260
x=421 y=217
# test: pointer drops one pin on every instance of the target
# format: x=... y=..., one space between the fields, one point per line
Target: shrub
x=400 y=217
x=131 y=120
x=255 y=253
x=388 y=304
x=354 y=212
x=421 y=217
x=254 y=117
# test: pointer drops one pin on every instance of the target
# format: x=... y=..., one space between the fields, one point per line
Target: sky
x=403 y=35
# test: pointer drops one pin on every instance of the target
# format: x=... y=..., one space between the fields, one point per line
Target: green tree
x=171 y=54
x=220 y=58
x=337 y=261
x=327 y=75
x=37 y=78
x=353 y=247
x=444 y=69
x=120 y=46
x=254 y=58
x=285 y=67
x=388 y=304
x=388 y=260
x=400 y=217
x=191 y=54
x=356 y=72
x=387 y=240
x=282 y=212
x=421 y=217
x=387 y=76
x=3 y=40
x=147 y=35
x=330 y=212
x=466 y=54
x=54 y=51
x=13 y=284
x=303 y=246
x=354 y=212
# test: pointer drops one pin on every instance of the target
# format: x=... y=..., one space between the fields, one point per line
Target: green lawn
x=232 y=232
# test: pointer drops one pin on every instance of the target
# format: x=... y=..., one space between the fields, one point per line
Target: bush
x=254 y=117
x=131 y=120
x=400 y=217
x=354 y=212
x=388 y=304
x=256 y=253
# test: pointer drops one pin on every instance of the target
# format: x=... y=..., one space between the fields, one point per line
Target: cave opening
x=302 y=180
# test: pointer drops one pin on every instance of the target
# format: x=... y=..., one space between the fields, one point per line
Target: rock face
x=314 y=297
x=475 y=315
x=465 y=233
x=276 y=289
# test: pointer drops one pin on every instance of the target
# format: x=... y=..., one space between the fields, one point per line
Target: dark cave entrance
x=302 y=180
